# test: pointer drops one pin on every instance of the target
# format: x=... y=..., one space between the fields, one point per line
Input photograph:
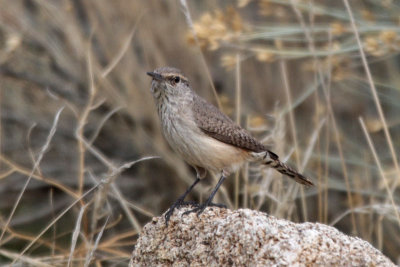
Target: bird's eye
x=177 y=79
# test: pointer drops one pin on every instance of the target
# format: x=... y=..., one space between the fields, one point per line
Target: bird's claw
x=200 y=208
x=177 y=205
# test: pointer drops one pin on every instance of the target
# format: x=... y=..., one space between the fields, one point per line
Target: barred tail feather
x=286 y=170
x=273 y=161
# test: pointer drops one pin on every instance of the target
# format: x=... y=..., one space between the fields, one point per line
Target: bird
x=206 y=138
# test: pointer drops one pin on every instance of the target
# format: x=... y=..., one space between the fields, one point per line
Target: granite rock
x=220 y=237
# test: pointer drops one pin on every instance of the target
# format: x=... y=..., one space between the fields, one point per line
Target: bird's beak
x=155 y=76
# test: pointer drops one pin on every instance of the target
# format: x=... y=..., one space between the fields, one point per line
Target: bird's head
x=168 y=81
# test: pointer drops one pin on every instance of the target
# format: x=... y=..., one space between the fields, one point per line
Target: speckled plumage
x=205 y=137
x=219 y=126
x=198 y=130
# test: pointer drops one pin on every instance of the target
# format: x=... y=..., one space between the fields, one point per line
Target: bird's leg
x=180 y=201
x=199 y=209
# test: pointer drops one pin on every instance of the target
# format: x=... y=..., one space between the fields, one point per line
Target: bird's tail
x=272 y=160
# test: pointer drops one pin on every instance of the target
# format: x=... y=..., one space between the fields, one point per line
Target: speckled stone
x=220 y=237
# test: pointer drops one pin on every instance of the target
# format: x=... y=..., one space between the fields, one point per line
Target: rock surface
x=245 y=237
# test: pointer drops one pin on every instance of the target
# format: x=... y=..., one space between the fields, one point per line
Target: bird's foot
x=177 y=204
x=201 y=207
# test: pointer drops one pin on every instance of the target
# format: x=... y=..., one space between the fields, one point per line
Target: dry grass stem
x=53 y=222
x=381 y=172
x=330 y=110
x=75 y=234
x=373 y=90
x=123 y=49
x=35 y=166
x=96 y=244
x=186 y=11
x=293 y=130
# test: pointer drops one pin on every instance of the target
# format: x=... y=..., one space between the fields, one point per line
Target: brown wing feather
x=219 y=126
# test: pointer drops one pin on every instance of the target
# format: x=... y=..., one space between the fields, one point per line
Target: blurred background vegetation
x=83 y=162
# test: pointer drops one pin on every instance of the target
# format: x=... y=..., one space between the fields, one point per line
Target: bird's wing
x=219 y=126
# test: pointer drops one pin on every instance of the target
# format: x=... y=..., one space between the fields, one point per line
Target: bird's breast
x=195 y=146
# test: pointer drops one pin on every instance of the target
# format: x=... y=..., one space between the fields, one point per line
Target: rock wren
x=206 y=138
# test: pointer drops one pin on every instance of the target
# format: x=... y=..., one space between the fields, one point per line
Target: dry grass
x=84 y=165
